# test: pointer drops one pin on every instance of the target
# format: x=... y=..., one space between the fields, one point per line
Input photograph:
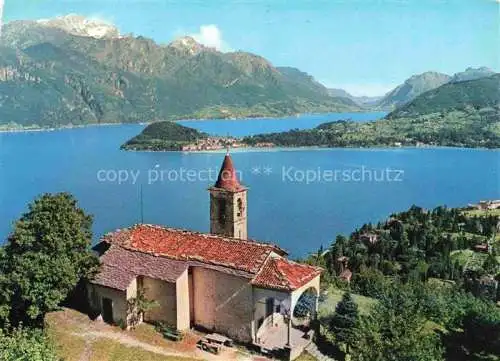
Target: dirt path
x=124 y=340
x=91 y=336
x=87 y=352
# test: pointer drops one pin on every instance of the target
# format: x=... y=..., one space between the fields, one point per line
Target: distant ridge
x=468 y=95
x=421 y=83
x=413 y=87
x=472 y=74
x=367 y=101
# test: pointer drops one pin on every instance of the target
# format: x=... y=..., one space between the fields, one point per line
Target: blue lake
x=299 y=199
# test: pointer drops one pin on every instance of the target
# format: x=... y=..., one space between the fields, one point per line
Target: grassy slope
x=335 y=295
x=482 y=213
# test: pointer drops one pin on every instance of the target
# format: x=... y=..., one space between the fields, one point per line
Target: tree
x=26 y=345
x=45 y=257
x=481 y=327
x=395 y=331
x=491 y=265
x=345 y=320
x=138 y=306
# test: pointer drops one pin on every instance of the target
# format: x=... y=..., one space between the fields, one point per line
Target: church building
x=220 y=282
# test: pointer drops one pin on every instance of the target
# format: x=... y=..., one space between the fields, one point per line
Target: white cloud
x=369 y=89
x=211 y=36
x=1 y=15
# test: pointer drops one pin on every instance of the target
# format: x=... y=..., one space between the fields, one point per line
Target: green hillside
x=163 y=136
x=464 y=96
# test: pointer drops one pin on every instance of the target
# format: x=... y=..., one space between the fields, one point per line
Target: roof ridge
x=247 y=255
x=271 y=262
x=206 y=235
x=305 y=265
x=281 y=275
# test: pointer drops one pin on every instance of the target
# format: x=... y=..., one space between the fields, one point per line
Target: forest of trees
x=418 y=244
x=430 y=306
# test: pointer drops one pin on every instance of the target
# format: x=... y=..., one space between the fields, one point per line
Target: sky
x=364 y=46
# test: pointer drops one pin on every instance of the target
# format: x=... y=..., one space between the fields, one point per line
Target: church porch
x=283 y=319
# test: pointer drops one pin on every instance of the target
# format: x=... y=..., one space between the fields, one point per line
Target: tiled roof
x=164 y=253
x=280 y=273
x=120 y=266
x=228 y=179
x=243 y=255
x=113 y=277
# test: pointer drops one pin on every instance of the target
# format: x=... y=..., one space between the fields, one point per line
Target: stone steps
x=315 y=352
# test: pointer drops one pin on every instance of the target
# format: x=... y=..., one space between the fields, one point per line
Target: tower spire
x=228 y=179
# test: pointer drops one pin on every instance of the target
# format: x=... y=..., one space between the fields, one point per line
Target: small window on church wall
x=240 y=207
x=222 y=210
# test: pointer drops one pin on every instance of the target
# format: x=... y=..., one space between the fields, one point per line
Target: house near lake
x=221 y=282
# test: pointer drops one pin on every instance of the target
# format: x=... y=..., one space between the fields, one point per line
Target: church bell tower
x=228 y=203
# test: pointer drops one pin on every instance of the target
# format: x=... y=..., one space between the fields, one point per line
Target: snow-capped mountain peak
x=82 y=26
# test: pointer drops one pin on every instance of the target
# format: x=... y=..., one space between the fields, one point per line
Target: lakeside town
x=220 y=143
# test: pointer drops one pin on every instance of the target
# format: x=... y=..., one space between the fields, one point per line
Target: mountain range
x=367 y=101
x=71 y=70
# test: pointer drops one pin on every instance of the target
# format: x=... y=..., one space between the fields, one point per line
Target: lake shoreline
x=311 y=148
x=35 y=130
x=281 y=117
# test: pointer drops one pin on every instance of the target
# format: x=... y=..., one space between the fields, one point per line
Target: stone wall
x=223 y=303
x=165 y=294
x=226 y=217
x=118 y=298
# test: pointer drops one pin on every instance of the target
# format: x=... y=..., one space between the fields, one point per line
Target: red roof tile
x=243 y=255
x=228 y=179
x=280 y=273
